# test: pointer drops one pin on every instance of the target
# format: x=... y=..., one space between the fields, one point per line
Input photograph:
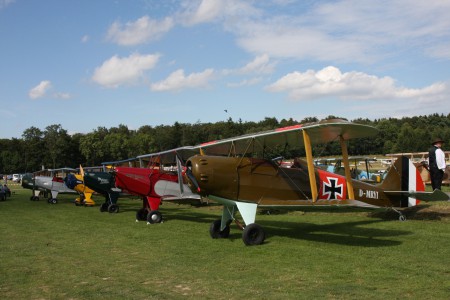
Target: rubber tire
x=141 y=214
x=154 y=217
x=214 y=230
x=53 y=201
x=113 y=208
x=104 y=207
x=253 y=234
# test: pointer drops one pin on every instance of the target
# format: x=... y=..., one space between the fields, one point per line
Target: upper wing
x=169 y=156
x=130 y=162
x=321 y=132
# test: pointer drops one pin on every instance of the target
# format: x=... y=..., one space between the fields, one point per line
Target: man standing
x=436 y=162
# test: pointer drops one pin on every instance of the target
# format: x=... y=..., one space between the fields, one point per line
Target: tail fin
x=403 y=181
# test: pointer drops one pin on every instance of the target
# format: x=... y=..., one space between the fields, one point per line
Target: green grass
x=66 y=252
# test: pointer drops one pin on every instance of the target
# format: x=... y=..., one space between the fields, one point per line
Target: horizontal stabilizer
x=436 y=195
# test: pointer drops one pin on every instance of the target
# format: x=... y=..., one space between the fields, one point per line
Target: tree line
x=53 y=147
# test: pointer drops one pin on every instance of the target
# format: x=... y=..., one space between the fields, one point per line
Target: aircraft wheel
x=104 y=207
x=53 y=201
x=113 y=208
x=154 y=217
x=253 y=234
x=141 y=214
x=214 y=230
x=402 y=218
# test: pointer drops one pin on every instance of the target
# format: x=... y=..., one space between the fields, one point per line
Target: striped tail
x=403 y=181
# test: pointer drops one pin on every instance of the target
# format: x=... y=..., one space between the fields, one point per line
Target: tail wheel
x=113 y=208
x=154 y=217
x=253 y=234
x=216 y=233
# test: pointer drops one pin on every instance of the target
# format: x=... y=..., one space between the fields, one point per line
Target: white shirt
x=440 y=159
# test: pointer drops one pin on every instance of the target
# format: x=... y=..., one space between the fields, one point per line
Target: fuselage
x=266 y=183
x=150 y=182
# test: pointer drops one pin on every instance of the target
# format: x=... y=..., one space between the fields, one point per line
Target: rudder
x=403 y=176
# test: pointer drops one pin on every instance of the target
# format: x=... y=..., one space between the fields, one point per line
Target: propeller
x=180 y=174
x=81 y=171
x=191 y=178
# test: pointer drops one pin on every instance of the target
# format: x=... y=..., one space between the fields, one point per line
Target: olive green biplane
x=238 y=174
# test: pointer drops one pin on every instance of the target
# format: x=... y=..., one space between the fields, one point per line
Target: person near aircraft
x=436 y=162
x=6 y=190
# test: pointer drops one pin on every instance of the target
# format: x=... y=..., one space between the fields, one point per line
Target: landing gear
x=52 y=201
x=104 y=207
x=253 y=234
x=401 y=217
x=141 y=214
x=154 y=217
x=216 y=233
x=113 y=208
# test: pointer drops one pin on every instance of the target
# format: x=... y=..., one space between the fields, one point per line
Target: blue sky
x=84 y=64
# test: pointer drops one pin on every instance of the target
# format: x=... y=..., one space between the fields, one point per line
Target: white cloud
x=141 y=31
x=204 y=11
x=85 y=39
x=178 y=80
x=5 y=3
x=330 y=82
x=260 y=65
x=207 y=11
x=345 y=31
x=40 y=90
x=117 y=71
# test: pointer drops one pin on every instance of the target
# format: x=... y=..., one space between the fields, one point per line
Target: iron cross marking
x=331 y=189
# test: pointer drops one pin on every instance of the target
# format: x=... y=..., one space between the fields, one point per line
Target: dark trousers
x=436 y=178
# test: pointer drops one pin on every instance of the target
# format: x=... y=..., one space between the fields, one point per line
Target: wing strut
x=348 y=176
x=309 y=161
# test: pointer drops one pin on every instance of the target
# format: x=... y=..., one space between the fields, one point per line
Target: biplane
x=160 y=178
x=238 y=174
x=75 y=181
x=48 y=181
x=103 y=182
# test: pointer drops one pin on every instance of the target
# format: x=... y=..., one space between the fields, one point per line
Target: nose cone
x=71 y=181
x=212 y=175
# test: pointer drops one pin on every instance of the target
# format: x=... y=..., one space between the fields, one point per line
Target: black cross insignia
x=332 y=188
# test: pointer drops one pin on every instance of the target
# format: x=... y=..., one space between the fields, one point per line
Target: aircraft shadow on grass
x=422 y=212
x=352 y=233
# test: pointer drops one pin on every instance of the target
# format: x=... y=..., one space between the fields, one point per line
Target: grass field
x=66 y=252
